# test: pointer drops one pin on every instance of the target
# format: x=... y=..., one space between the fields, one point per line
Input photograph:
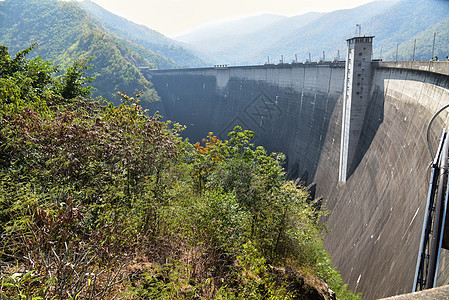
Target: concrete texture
x=376 y=216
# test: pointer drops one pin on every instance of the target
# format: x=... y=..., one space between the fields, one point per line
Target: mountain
x=392 y=22
x=424 y=43
x=218 y=39
x=233 y=46
x=65 y=33
x=265 y=37
x=327 y=33
x=229 y=29
x=142 y=35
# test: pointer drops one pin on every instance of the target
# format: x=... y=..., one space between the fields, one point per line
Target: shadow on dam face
x=288 y=110
x=374 y=118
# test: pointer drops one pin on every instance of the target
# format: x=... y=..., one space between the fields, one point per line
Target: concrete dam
x=378 y=207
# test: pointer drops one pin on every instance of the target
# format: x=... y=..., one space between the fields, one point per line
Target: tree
x=34 y=80
x=73 y=83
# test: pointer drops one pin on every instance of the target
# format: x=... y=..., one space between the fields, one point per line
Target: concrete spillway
x=377 y=214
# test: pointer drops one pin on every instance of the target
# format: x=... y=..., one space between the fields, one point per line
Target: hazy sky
x=174 y=17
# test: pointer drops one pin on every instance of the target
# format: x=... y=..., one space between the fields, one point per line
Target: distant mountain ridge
x=327 y=33
x=235 y=48
x=323 y=35
x=219 y=36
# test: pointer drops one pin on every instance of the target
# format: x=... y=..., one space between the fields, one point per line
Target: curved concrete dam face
x=288 y=107
x=377 y=214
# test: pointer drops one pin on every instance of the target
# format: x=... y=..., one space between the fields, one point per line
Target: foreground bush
x=100 y=201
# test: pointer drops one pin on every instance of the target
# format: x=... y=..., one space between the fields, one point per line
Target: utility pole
x=397 y=49
x=414 y=49
x=358 y=26
x=433 y=47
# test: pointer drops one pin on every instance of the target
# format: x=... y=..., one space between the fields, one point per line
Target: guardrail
x=439 y=67
x=338 y=64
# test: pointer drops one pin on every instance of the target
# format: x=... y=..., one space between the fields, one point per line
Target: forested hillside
x=103 y=202
x=143 y=36
x=65 y=33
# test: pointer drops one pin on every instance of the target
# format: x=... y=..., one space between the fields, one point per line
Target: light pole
x=433 y=47
x=359 y=26
x=397 y=49
x=414 y=49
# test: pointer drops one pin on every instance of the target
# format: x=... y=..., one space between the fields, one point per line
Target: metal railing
x=433 y=226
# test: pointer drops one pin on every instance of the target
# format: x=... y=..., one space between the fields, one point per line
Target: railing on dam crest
x=439 y=67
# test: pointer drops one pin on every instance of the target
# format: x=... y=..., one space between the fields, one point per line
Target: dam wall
x=287 y=106
x=377 y=214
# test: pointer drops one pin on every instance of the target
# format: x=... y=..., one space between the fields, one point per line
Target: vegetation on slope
x=65 y=33
x=98 y=201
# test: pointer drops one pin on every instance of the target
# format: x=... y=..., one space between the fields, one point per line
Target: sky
x=176 y=17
